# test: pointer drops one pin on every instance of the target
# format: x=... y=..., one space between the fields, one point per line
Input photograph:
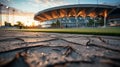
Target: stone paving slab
x=80 y=40
x=36 y=49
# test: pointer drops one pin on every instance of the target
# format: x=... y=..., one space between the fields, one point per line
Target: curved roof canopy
x=77 y=10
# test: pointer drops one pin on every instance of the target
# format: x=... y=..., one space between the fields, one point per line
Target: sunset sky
x=38 y=5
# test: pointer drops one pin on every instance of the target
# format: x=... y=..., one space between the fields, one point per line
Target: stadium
x=81 y=15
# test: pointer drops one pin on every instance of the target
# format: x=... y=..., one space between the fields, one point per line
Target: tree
x=53 y=24
x=20 y=24
x=7 y=24
x=101 y=22
x=58 y=23
x=91 y=22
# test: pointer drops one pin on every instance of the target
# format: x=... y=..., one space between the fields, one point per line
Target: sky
x=38 y=5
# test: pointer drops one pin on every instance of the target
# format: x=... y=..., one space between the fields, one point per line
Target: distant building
x=80 y=15
x=12 y=15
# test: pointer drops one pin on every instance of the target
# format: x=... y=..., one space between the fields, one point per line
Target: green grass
x=93 y=31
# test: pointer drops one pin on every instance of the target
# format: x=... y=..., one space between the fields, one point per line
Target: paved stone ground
x=36 y=49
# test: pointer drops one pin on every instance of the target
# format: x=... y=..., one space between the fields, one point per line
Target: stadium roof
x=73 y=10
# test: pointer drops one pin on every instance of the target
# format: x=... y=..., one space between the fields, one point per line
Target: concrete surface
x=36 y=49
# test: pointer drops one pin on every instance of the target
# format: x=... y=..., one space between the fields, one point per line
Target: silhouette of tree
x=91 y=22
x=56 y=24
x=20 y=24
x=7 y=24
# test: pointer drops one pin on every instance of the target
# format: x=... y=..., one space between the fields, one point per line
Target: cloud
x=33 y=4
x=8 y=0
x=44 y=4
x=37 y=1
x=51 y=2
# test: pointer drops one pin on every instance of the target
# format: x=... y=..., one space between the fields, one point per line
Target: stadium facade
x=81 y=15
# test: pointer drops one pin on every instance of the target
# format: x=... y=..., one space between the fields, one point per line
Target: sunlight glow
x=25 y=20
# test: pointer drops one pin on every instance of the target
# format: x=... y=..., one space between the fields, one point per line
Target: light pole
x=97 y=1
x=13 y=16
x=96 y=16
x=1 y=14
x=76 y=20
x=78 y=1
x=8 y=13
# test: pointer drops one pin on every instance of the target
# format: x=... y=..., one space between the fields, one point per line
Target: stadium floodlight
x=7 y=7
